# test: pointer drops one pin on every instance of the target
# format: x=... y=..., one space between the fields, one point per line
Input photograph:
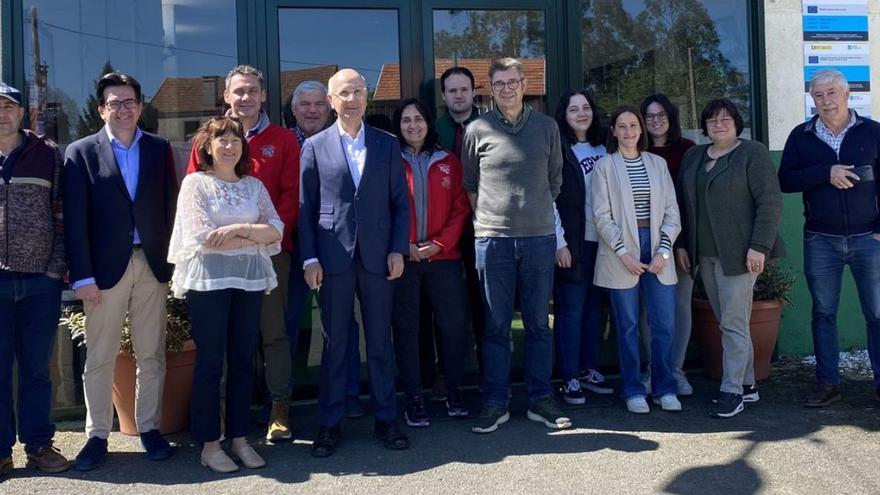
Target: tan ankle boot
x=279 y=425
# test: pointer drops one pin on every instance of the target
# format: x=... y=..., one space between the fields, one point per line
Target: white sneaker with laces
x=637 y=405
x=681 y=383
x=668 y=402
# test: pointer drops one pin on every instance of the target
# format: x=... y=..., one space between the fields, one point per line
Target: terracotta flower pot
x=764 y=328
x=176 y=396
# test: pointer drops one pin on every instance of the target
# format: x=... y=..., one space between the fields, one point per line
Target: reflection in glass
x=312 y=48
x=178 y=50
x=474 y=38
x=691 y=50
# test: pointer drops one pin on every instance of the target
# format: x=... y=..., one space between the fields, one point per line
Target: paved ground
x=776 y=446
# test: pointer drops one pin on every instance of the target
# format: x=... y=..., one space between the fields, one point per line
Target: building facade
x=692 y=50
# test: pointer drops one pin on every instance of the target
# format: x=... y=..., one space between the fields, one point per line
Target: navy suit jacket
x=334 y=217
x=100 y=217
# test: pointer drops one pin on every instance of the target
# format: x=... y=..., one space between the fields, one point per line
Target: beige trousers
x=141 y=297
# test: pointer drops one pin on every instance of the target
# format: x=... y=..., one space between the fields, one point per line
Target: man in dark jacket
x=833 y=159
x=121 y=193
x=31 y=266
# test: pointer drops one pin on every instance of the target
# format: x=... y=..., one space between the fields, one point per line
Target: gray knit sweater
x=516 y=171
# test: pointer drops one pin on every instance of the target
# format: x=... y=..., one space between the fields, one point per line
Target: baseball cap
x=10 y=93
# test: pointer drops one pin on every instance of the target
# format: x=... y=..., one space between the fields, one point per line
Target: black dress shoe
x=325 y=444
x=391 y=436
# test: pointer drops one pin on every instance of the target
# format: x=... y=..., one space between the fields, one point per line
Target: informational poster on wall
x=836 y=37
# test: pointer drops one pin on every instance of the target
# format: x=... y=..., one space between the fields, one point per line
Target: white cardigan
x=615 y=215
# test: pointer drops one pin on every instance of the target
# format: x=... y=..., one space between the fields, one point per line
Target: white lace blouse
x=205 y=203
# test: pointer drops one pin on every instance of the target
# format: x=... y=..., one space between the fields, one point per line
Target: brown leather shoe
x=48 y=459
x=823 y=395
x=6 y=465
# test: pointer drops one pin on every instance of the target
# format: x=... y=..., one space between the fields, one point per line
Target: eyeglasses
x=357 y=94
x=512 y=84
x=723 y=121
x=127 y=104
x=659 y=116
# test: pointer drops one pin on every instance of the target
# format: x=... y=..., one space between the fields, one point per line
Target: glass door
x=474 y=35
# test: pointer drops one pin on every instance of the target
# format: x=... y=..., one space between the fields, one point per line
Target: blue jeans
x=659 y=301
x=30 y=305
x=297 y=303
x=578 y=312
x=507 y=265
x=824 y=258
x=225 y=328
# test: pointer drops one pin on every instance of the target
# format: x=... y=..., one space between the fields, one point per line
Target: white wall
x=785 y=65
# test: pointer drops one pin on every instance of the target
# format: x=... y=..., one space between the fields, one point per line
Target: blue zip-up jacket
x=806 y=167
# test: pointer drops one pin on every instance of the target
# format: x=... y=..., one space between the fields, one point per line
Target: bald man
x=354 y=233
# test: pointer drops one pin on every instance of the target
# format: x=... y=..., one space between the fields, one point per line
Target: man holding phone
x=832 y=159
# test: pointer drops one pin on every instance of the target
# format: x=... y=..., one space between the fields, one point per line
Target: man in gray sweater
x=512 y=173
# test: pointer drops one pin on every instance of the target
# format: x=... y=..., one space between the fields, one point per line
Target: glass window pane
x=474 y=38
x=311 y=49
x=179 y=50
x=690 y=50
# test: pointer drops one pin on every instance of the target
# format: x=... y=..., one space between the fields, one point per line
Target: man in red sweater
x=274 y=153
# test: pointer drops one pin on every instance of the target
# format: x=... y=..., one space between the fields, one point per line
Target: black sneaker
x=92 y=455
x=750 y=393
x=572 y=393
x=594 y=381
x=545 y=410
x=455 y=406
x=390 y=435
x=727 y=406
x=489 y=420
x=415 y=414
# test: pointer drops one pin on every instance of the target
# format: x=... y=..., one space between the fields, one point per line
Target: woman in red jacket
x=439 y=209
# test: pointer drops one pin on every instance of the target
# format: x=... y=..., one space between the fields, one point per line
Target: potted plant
x=180 y=359
x=771 y=294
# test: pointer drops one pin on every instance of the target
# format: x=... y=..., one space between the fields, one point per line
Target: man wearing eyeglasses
x=354 y=233
x=512 y=162
x=120 y=192
x=274 y=154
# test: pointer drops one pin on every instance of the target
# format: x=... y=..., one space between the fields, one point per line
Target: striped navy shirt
x=641 y=189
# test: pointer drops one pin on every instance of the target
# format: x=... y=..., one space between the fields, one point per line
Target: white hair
x=829 y=76
x=305 y=87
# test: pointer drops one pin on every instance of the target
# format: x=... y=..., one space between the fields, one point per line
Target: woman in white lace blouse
x=224 y=233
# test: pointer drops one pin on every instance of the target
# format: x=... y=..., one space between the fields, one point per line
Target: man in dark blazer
x=354 y=232
x=121 y=192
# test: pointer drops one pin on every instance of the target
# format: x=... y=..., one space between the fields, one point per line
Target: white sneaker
x=681 y=383
x=668 y=402
x=637 y=405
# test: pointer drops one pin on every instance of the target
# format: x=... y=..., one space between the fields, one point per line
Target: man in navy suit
x=120 y=194
x=354 y=233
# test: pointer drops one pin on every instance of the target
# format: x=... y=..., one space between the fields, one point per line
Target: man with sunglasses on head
x=120 y=191
x=512 y=162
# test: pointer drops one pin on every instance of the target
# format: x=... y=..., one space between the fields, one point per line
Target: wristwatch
x=665 y=255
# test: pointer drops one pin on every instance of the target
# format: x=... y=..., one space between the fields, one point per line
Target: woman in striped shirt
x=637 y=218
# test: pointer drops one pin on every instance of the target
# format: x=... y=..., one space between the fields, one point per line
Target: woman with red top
x=439 y=209
x=664 y=139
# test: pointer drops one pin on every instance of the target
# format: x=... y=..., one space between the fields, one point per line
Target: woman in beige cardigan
x=637 y=218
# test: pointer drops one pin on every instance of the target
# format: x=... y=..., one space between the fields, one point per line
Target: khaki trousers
x=141 y=297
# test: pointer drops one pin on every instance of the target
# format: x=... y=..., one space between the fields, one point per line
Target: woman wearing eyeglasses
x=731 y=209
x=637 y=218
x=225 y=231
x=665 y=140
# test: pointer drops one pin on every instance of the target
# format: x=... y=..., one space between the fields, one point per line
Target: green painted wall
x=795 y=338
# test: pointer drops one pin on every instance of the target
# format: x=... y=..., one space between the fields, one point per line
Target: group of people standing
x=538 y=208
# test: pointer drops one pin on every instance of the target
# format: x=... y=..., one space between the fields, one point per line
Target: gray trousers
x=731 y=300
x=683 y=291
